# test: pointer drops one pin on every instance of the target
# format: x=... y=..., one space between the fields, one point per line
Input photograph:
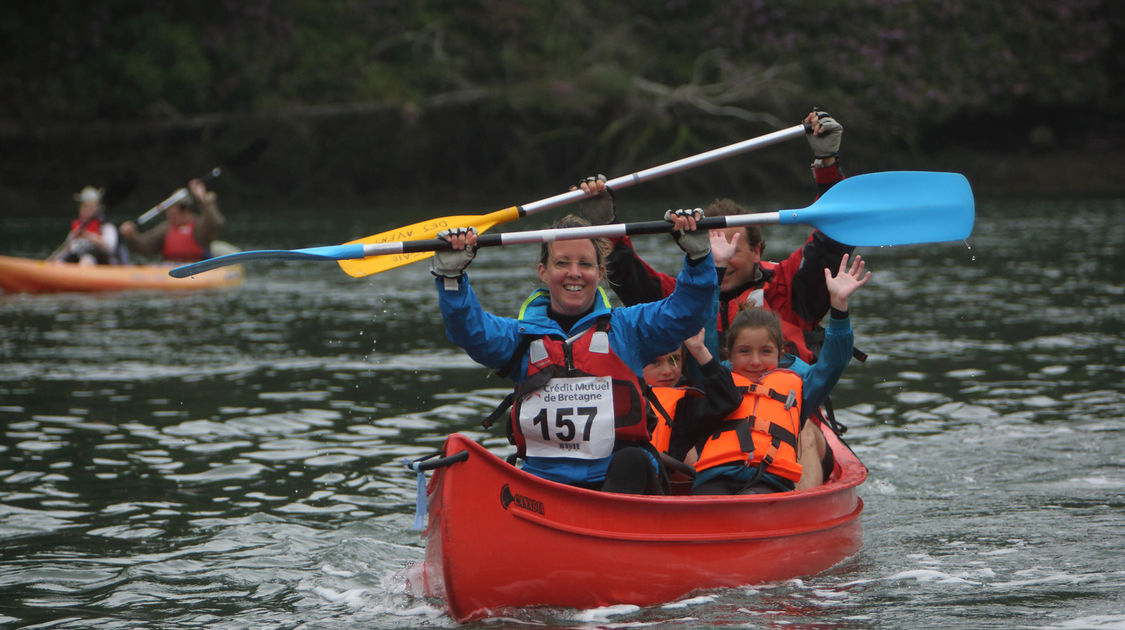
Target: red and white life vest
x=579 y=398
x=756 y=296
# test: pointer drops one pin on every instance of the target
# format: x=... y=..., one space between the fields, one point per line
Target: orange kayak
x=24 y=275
x=499 y=538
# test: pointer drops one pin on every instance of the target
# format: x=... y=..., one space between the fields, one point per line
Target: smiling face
x=571 y=273
x=740 y=268
x=665 y=371
x=753 y=353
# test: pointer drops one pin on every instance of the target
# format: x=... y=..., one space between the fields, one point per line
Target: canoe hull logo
x=507 y=498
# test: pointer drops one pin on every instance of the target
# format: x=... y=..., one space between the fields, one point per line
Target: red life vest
x=668 y=397
x=180 y=244
x=579 y=398
x=93 y=225
x=764 y=428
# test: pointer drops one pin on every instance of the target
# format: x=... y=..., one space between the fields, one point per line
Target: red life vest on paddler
x=180 y=244
x=668 y=397
x=579 y=398
x=763 y=428
x=93 y=225
x=794 y=335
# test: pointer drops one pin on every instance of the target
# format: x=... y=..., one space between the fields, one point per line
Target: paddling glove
x=451 y=263
x=695 y=244
x=827 y=144
x=598 y=210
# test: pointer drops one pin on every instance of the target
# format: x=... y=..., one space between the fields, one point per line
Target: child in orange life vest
x=766 y=445
x=712 y=394
x=666 y=370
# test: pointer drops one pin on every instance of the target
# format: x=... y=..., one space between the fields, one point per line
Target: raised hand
x=597 y=205
x=451 y=263
x=721 y=248
x=197 y=188
x=824 y=134
x=694 y=243
x=846 y=281
x=697 y=348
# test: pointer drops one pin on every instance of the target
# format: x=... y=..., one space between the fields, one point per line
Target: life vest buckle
x=790 y=400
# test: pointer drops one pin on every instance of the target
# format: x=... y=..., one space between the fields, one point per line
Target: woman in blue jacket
x=579 y=415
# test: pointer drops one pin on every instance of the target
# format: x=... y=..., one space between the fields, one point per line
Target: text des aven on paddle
x=408 y=234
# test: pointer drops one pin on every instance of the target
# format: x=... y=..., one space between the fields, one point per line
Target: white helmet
x=89 y=194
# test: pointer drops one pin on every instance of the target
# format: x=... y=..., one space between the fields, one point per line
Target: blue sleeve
x=692 y=370
x=834 y=356
x=643 y=332
x=711 y=325
x=488 y=339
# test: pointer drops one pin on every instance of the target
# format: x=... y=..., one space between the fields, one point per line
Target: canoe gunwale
x=697 y=537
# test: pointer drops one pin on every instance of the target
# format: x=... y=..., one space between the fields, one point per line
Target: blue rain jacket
x=638 y=334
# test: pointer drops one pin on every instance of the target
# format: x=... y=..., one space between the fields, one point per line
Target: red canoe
x=24 y=275
x=500 y=538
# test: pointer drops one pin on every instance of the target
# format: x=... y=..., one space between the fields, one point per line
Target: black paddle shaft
x=513 y=238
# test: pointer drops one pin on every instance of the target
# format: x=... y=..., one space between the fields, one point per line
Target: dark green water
x=231 y=459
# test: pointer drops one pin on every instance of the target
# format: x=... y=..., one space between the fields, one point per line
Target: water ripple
x=233 y=459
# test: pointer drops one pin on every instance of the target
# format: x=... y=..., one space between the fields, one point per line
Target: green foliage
x=528 y=89
x=155 y=62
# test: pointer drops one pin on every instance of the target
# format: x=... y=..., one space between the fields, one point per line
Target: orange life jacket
x=579 y=398
x=764 y=428
x=668 y=397
x=180 y=244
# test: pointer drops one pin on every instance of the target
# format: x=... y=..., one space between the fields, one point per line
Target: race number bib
x=569 y=417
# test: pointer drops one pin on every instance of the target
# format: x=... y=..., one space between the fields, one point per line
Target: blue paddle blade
x=892 y=208
x=330 y=252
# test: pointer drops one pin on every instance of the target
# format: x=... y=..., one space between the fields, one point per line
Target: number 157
x=564 y=422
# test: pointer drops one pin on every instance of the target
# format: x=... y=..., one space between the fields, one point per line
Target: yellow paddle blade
x=424 y=230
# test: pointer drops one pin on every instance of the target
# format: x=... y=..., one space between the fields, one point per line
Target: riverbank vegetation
x=368 y=98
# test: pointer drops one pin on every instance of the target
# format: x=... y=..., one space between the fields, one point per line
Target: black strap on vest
x=514 y=361
x=532 y=383
x=829 y=416
x=839 y=428
x=654 y=401
x=745 y=435
x=782 y=435
x=788 y=400
x=499 y=411
x=741 y=428
x=659 y=408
